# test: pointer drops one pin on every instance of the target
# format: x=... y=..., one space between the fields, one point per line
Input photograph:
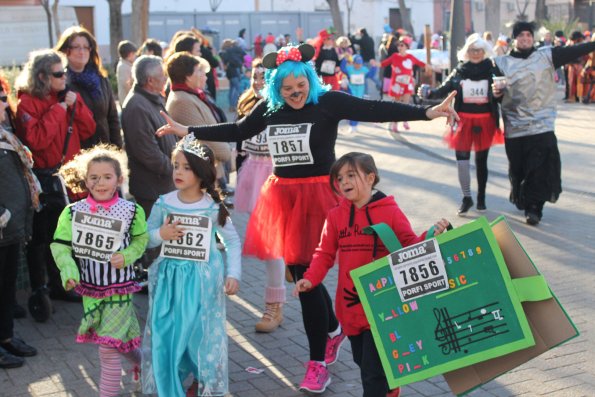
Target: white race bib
x=96 y=237
x=328 y=67
x=289 y=144
x=403 y=79
x=257 y=144
x=475 y=91
x=357 y=79
x=195 y=244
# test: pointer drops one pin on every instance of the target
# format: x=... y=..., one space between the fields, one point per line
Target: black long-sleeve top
x=324 y=118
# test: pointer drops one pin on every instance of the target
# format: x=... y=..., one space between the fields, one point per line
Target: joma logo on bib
x=90 y=220
x=412 y=253
x=286 y=130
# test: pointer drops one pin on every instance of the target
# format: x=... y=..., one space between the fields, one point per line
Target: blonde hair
x=75 y=171
x=474 y=41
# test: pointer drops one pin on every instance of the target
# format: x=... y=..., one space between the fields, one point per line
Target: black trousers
x=317 y=313
x=39 y=256
x=366 y=357
x=9 y=260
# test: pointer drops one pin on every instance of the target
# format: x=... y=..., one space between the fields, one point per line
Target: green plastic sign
x=477 y=318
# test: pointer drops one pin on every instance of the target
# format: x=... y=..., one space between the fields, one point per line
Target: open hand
x=171 y=231
x=172 y=127
x=445 y=109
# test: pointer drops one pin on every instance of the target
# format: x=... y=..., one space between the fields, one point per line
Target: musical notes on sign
x=457 y=331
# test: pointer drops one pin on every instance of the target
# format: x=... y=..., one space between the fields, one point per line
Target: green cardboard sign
x=478 y=318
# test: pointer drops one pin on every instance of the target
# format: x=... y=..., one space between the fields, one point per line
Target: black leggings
x=317 y=313
x=481 y=166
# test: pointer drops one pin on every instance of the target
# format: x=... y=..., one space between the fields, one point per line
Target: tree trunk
x=336 y=14
x=46 y=7
x=492 y=17
x=56 y=16
x=139 y=21
x=115 y=28
x=405 y=17
x=540 y=11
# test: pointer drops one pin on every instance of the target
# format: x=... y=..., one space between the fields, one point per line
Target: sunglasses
x=58 y=74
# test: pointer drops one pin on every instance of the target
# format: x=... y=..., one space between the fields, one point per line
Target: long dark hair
x=204 y=169
x=356 y=161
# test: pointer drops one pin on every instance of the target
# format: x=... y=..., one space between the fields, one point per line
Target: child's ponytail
x=223 y=211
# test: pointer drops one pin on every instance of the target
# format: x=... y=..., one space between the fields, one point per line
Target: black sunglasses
x=58 y=74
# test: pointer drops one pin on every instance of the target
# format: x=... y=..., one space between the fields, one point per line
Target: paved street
x=418 y=169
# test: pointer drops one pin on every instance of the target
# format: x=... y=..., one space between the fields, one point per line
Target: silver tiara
x=190 y=144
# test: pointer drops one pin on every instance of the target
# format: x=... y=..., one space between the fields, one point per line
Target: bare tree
x=139 y=20
x=215 y=4
x=405 y=17
x=115 y=28
x=492 y=17
x=56 y=16
x=46 y=7
x=336 y=14
x=540 y=11
x=522 y=15
x=349 y=6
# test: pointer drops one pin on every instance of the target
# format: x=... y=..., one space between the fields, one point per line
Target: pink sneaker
x=316 y=379
x=405 y=125
x=333 y=345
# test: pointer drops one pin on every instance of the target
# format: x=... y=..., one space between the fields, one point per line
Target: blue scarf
x=89 y=79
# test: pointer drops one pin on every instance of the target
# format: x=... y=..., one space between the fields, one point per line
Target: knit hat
x=358 y=59
x=522 y=26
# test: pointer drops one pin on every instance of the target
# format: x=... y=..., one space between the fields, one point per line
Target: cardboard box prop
x=550 y=324
x=477 y=318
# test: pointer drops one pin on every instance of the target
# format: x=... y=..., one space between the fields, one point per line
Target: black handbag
x=53 y=191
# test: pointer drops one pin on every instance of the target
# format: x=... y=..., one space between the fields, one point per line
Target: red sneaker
x=316 y=379
x=333 y=345
x=394 y=392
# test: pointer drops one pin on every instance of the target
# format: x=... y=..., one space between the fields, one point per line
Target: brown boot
x=271 y=318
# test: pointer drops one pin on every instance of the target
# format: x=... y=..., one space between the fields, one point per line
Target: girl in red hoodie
x=354 y=176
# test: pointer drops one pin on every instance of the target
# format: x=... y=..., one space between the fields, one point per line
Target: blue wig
x=274 y=80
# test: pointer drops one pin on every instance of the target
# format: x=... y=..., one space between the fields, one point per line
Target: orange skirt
x=288 y=218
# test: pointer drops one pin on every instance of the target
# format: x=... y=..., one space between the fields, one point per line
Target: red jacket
x=42 y=126
x=342 y=234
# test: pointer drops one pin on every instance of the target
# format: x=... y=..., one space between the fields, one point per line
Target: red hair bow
x=291 y=54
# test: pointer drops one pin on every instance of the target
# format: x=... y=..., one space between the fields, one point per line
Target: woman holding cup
x=478 y=109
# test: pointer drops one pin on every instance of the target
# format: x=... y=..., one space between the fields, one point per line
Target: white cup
x=499 y=82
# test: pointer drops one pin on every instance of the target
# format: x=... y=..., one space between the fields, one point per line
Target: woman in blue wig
x=301 y=117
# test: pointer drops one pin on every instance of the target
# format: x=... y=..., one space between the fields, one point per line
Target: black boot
x=481 y=202
x=466 y=204
x=40 y=305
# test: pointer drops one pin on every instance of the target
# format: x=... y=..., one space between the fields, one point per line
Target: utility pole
x=457 y=29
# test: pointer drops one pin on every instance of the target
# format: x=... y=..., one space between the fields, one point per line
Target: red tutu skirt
x=333 y=81
x=288 y=218
x=475 y=131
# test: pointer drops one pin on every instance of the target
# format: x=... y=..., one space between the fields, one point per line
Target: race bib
x=357 y=79
x=96 y=237
x=475 y=91
x=289 y=144
x=257 y=144
x=328 y=67
x=195 y=244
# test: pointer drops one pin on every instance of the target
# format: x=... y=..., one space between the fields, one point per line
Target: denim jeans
x=234 y=91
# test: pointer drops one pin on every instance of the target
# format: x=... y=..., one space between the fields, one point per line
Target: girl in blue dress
x=185 y=331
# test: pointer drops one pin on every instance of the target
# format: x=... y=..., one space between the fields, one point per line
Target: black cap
x=522 y=26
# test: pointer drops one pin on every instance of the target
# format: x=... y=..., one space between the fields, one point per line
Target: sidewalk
x=417 y=168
